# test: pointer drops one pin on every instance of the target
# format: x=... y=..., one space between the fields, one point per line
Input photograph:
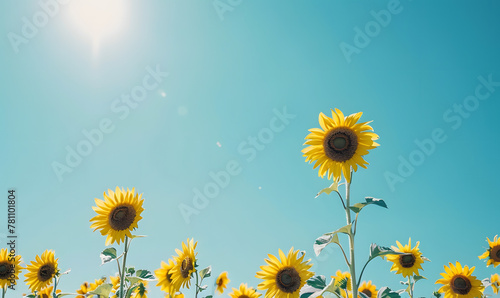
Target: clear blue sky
x=418 y=72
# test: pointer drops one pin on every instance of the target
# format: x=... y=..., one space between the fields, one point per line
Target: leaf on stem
x=386 y=292
x=316 y=286
x=103 y=290
x=144 y=274
x=356 y=208
x=328 y=190
x=108 y=255
x=205 y=272
x=328 y=238
x=379 y=251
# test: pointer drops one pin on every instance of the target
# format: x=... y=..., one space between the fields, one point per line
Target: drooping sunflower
x=184 y=265
x=164 y=275
x=368 y=289
x=244 y=292
x=284 y=277
x=495 y=282
x=221 y=282
x=458 y=282
x=408 y=263
x=341 y=277
x=42 y=271
x=118 y=214
x=339 y=145
x=492 y=253
x=9 y=267
x=47 y=292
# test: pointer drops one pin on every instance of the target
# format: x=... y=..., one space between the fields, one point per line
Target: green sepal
x=328 y=238
x=108 y=255
x=130 y=291
x=205 y=272
x=356 y=208
x=103 y=290
x=130 y=270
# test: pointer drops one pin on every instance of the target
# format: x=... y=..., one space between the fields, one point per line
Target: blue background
x=227 y=75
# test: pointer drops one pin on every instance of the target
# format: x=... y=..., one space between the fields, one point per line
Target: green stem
x=411 y=288
x=363 y=270
x=55 y=287
x=197 y=286
x=351 y=239
x=4 y=289
x=122 y=275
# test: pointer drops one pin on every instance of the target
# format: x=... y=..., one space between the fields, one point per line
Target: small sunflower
x=141 y=291
x=368 y=289
x=83 y=290
x=164 y=275
x=284 y=277
x=495 y=282
x=340 y=276
x=339 y=145
x=184 y=265
x=115 y=281
x=42 y=271
x=47 y=292
x=118 y=214
x=244 y=292
x=493 y=252
x=409 y=263
x=222 y=282
x=458 y=282
x=9 y=267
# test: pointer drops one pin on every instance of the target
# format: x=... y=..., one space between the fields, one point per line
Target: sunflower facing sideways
x=459 y=283
x=493 y=252
x=339 y=145
x=495 y=282
x=221 y=282
x=164 y=275
x=284 y=277
x=367 y=288
x=341 y=277
x=408 y=263
x=42 y=271
x=8 y=267
x=184 y=265
x=244 y=292
x=118 y=214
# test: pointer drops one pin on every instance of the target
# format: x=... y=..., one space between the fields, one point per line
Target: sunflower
x=408 y=263
x=118 y=214
x=493 y=252
x=184 y=265
x=368 y=289
x=180 y=295
x=244 y=292
x=115 y=281
x=141 y=291
x=339 y=145
x=164 y=275
x=47 y=292
x=284 y=277
x=42 y=271
x=83 y=290
x=339 y=278
x=9 y=266
x=495 y=282
x=458 y=282
x=222 y=282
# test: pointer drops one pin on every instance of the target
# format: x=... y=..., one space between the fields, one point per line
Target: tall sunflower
x=118 y=214
x=244 y=292
x=164 y=275
x=42 y=271
x=409 y=263
x=284 y=277
x=495 y=282
x=184 y=265
x=8 y=267
x=458 y=282
x=368 y=289
x=339 y=145
x=221 y=282
x=492 y=253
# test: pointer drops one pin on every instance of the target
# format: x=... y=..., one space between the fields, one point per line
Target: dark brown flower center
x=288 y=280
x=169 y=276
x=460 y=285
x=4 y=270
x=121 y=217
x=243 y=296
x=186 y=266
x=340 y=144
x=221 y=281
x=407 y=260
x=495 y=253
x=46 y=272
x=367 y=292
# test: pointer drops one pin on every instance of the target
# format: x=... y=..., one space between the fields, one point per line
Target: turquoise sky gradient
x=232 y=76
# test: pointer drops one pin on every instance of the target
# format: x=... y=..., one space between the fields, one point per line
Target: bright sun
x=99 y=18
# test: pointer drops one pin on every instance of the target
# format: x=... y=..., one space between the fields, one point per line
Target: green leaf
x=418 y=277
x=316 y=286
x=130 y=270
x=356 y=208
x=317 y=281
x=333 y=187
x=379 y=251
x=108 y=255
x=209 y=296
x=205 y=272
x=385 y=292
x=144 y=274
x=328 y=238
x=425 y=259
x=203 y=288
x=137 y=236
x=103 y=290
x=133 y=279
